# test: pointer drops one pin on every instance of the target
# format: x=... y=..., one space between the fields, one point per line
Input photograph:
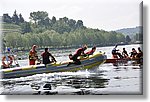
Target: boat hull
x=87 y=63
x=124 y=60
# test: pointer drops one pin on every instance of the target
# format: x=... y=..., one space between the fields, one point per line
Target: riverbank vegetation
x=52 y=32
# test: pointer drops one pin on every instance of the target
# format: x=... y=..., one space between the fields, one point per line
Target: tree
x=51 y=32
x=139 y=37
x=65 y=19
x=72 y=23
x=26 y=28
x=15 y=18
x=44 y=22
x=79 y=24
x=120 y=37
x=14 y=40
x=21 y=19
x=3 y=44
x=128 y=39
x=39 y=17
x=61 y=27
x=53 y=20
x=6 y=18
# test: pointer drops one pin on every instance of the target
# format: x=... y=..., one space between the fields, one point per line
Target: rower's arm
x=53 y=58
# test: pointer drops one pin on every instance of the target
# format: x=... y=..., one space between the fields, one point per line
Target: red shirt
x=90 y=52
x=79 y=52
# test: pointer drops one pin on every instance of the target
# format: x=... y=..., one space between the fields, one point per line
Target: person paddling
x=115 y=52
x=79 y=52
x=140 y=53
x=124 y=53
x=91 y=51
x=45 y=55
x=133 y=53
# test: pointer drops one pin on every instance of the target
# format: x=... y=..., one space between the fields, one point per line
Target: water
x=105 y=79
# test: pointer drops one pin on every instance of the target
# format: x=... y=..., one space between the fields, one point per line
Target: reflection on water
x=105 y=79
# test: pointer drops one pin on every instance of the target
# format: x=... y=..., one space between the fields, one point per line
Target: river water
x=106 y=79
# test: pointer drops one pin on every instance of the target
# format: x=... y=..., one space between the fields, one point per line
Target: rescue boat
x=86 y=63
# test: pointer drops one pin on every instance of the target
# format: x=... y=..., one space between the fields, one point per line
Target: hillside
x=8 y=28
x=53 y=32
x=130 y=31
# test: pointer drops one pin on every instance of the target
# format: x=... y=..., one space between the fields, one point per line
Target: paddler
x=115 y=52
x=79 y=52
x=91 y=51
x=133 y=53
x=140 y=53
x=45 y=55
x=124 y=53
x=33 y=55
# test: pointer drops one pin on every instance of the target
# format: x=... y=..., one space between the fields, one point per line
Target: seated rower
x=124 y=53
x=140 y=53
x=133 y=53
x=45 y=56
x=91 y=51
x=115 y=52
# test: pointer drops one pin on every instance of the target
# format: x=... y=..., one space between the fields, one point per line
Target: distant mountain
x=130 y=31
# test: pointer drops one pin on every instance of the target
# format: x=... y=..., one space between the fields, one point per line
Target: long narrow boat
x=86 y=63
x=124 y=60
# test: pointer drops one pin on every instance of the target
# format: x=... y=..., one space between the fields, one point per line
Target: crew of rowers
x=133 y=55
x=33 y=57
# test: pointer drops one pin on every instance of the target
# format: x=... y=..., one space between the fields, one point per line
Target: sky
x=102 y=14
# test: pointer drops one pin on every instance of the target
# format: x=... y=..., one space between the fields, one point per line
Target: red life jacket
x=79 y=51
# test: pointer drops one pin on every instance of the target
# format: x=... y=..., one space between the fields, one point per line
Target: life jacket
x=134 y=52
x=33 y=55
x=115 y=56
x=90 y=52
x=79 y=51
x=139 y=54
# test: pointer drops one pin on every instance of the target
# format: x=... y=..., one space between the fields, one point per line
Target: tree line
x=39 y=22
x=43 y=31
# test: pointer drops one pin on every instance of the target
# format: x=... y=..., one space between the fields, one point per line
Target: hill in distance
x=130 y=31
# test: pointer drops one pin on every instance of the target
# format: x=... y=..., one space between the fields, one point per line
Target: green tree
x=72 y=24
x=38 y=17
x=61 y=27
x=79 y=24
x=21 y=19
x=15 y=18
x=6 y=18
x=13 y=40
x=128 y=39
x=120 y=37
x=26 y=28
x=53 y=20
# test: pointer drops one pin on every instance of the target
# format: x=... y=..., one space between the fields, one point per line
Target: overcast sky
x=101 y=14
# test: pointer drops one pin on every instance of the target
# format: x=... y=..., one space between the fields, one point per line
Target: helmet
x=8 y=49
